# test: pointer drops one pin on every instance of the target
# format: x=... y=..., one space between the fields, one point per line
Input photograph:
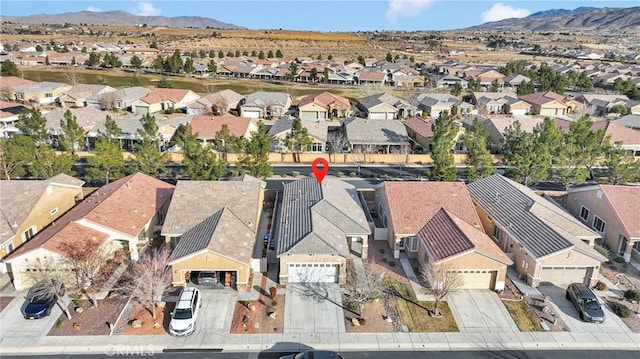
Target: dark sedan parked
x=41 y=298
x=586 y=302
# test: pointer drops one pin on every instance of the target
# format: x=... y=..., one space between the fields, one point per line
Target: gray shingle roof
x=315 y=219
x=377 y=132
x=262 y=98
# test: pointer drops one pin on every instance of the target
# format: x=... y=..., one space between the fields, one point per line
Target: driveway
x=313 y=308
x=569 y=313
x=480 y=311
x=14 y=325
x=217 y=309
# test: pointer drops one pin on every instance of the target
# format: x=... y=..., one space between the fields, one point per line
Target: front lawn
x=415 y=314
x=523 y=315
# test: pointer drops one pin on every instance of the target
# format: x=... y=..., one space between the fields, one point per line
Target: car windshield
x=37 y=299
x=182 y=313
x=591 y=303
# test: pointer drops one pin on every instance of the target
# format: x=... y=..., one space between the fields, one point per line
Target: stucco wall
x=209 y=261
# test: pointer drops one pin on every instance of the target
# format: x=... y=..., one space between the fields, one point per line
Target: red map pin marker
x=320 y=172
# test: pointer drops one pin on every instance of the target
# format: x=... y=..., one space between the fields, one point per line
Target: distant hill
x=119 y=18
x=580 y=19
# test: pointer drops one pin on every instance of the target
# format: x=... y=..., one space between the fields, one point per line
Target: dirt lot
x=247 y=314
x=632 y=321
x=148 y=324
x=92 y=321
x=374 y=315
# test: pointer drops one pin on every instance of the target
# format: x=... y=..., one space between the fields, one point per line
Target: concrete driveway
x=14 y=325
x=480 y=311
x=216 y=313
x=569 y=313
x=313 y=308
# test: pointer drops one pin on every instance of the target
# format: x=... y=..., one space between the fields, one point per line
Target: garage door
x=563 y=275
x=519 y=111
x=478 y=279
x=377 y=115
x=309 y=115
x=313 y=272
x=251 y=114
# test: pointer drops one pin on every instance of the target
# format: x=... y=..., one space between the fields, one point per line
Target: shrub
x=340 y=174
x=60 y=323
x=618 y=260
x=392 y=263
x=621 y=310
x=381 y=250
x=602 y=250
x=600 y=286
x=295 y=174
x=384 y=259
x=353 y=174
x=77 y=299
x=632 y=295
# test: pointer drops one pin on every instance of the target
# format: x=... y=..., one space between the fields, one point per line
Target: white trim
x=604 y=224
x=584 y=219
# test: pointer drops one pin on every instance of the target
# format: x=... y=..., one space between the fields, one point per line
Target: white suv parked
x=183 y=317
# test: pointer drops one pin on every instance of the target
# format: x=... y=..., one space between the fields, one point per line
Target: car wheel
x=566 y=294
x=581 y=316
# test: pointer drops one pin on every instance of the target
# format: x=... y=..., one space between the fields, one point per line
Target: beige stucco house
x=163 y=99
x=324 y=106
x=545 y=242
x=613 y=212
x=42 y=93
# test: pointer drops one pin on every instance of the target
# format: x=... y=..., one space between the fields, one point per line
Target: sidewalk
x=332 y=341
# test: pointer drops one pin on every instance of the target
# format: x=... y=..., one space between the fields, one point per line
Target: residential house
x=494 y=102
x=42 y=93
x=515 y=80
x=324 y=106
x=319 y=225
x=316 y=130
x=165 y=100
x=87 y=118
x=384 y=106
x=83 y=95
x=545 y=242
x=121 y=215
x=420 y=131
x=628 y=138
x=600 y=104
x=371 y=78
x=213 y=226
x=206 y=127
x=612 y=211
x=631 y=121
x=449 y=81
x=436 y=223
x=9 y=112
x=123 y=98
x=7 y=83
x=266 y=105
x=129 y=124
x=372 y=136
x=217 y=103
x=28 y=206
x=407 y=77
x=497 y=126
x=549 y=103
x=486 y=77
x=436 y=103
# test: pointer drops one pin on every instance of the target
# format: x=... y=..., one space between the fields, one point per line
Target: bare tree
x=73 y=75
x=49 y=282
x=84 y=260
x=107 y=100
x=149 y=278
x=400 y=154
x=364 y=288
x=442 y=280
x=337 y=142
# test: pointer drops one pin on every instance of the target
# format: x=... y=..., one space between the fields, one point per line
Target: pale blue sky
x=320 y=15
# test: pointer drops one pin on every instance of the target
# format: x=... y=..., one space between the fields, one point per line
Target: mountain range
x=120 y=18
x=580 y=19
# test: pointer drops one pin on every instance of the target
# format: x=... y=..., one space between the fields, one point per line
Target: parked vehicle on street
x=314 y=354
x=183 y=317
x=208 y=278
x=585 y=300
x=40 y=299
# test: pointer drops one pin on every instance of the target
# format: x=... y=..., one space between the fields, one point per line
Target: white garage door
x=563 y=275
x=478 y=279
x=519 y=111
x=377 y=115
x=251 y=114
x=313 y=272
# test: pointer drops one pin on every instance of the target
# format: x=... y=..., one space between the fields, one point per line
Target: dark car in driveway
x=41 y=298
x=586 y=301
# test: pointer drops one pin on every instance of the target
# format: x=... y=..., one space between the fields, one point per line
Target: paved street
x=313 y=308
x=480 y=311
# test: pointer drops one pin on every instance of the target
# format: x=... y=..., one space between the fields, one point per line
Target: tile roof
x=195 y=201
x=315 y=218
x=87 y=117
x=420 y=126
x=207 y=126
x=125 y=206
x=326 y=99
x=540 y=226
x=376 y=132
x=618 y=132
x=11 y=109
x=83 y=91
x=625 y=201
x=631 y=121
x=371 y=76
x=412 y=204
x=12 y=81
x=227 y=97
x=262 y=98
x=17 y=199
x=161 y=94
x=131 y=93
x=317 y=130
x=540 y=98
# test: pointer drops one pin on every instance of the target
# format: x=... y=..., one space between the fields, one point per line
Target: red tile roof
x=420 y=126
x=11 y=81
x=540 y=98
x=206 y=127
x=325 y=99
x=625 y=201
x=618 y=132
x=125 y=205
x=371 y=76
x=160 y=95
x=413 y=204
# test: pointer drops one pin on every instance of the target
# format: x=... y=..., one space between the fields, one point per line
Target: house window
x=598 y=224
x=636 y=246
x=48 y=94
x=29 y=233
x=9 y=247
x=414 y=244
x=54 y=211
x=584 y=213
x=496 y=232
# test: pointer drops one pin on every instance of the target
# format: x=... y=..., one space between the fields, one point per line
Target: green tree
x=135 y=62
x=495 y=86
x=148 y=158
x=73 y=135
x=325 y=75
x=229 y=54
x=46 y=60
x=279 y=54
x=584 y=82
x=361 y=60
x=525 y=162
x=225 y=142
x=48 y=163
x=473 y=85
x=112 y=131
x=619 y=108
x=212 y=67
x=551 y=139
x=298 y=140
x=107 y=161
x=389 y=57
x=94 y=59
x=456 y=90
x=270 y=54
x=479 y=159
x=200 y=163
x=254 y=53
x=202 y=54
x=314 y=74
x=330 y=57
x=293 y=71
x=31 y=123
x=164 y=84
x=188 y=66
x=444 y=134
x=39 y=48
x=220 y=54
x=255 y=157
x=212 y=54
x=525 y=88
x=174 y=62
x=15 y=153
x=621 y=166
x=8 y=68
x=245 y=53
x=582 y=147
x=158 y=63
x=261 y=55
